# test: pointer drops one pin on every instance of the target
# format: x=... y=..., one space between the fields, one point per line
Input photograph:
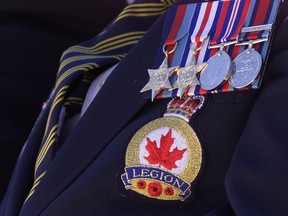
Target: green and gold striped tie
x=82 y=63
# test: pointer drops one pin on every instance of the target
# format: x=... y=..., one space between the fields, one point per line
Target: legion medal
x=164 y=157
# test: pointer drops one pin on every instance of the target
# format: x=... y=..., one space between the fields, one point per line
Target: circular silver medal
x=247 y=66
x=217 y=70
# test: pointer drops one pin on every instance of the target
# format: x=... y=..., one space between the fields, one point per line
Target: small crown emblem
x=184 y=108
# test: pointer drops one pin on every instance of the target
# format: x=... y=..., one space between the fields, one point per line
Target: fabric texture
x=242 y=134
x=33 y=36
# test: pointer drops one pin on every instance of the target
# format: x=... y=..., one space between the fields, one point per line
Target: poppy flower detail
x=141 y=184
x=155 y=189
x=169 y=191
x=163 y=159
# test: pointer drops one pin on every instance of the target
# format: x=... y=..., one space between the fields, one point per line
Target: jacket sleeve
x=256 y=182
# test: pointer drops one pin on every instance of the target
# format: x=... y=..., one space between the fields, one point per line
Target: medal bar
x=232 y=59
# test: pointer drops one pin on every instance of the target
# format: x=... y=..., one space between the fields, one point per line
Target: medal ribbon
x=198 y=22
x=204 y=17
x=204 y=24
x=170 y=43
x=261 y=12
x=259 y=16
x=254 y=12
x=232 y=19
x=233 y=16
x=175 y=28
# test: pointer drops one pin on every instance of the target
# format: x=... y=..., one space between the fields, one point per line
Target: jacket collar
x=115 y=105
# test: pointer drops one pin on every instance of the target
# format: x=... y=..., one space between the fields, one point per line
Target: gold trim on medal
x=163 y=158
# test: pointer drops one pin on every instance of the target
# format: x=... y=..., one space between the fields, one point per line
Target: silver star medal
x=187 y=76
x=159 y=79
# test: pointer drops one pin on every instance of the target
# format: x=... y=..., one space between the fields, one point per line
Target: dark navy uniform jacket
x=33 y=36
x=243 y=135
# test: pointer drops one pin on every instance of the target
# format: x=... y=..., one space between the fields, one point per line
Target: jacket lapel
x=22 y=178
x=114 y=106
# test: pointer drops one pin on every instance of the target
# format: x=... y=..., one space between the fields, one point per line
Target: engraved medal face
x=186 y=78
x=159 y=79
x=162 y=160
x=217 y=70
x=247 y=66
x=186 y=75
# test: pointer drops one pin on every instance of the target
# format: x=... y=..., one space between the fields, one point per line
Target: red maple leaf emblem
x=162 y=155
